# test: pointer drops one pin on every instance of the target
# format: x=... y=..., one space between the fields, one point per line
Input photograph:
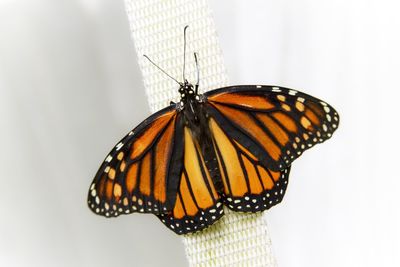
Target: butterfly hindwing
x=275 y=124
x=198 y=204
x=249 y=185
x=141 y=172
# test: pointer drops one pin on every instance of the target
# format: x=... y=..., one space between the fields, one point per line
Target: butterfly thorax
x=190 y=103
x=186 y=90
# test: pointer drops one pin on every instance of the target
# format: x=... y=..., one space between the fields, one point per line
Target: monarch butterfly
x=231 y=146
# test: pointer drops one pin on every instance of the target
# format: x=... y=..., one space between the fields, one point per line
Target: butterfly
x=231 y=147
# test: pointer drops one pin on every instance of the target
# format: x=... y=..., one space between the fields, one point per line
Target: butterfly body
x=231 y=146
x=203 y=137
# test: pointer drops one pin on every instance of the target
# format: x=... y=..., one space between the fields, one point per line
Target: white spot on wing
x=118 y=147
x=108 y=159
x=300 y=99
x=328 y=117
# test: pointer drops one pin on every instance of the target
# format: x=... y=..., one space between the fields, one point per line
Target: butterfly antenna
x=184 y=52
x=198 y=73
x=163 y=71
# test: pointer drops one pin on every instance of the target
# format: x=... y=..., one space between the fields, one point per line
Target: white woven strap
x=157 y=30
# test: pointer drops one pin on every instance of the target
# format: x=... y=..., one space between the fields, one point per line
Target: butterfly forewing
x=275 y=124
x=141 y=172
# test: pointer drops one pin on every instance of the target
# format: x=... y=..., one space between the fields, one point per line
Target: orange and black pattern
x=231 y=146
x=141 y=172
x=198 y=204
x=276 y=124
x=249 y=185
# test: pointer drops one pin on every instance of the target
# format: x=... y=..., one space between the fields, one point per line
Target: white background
x=70 y=88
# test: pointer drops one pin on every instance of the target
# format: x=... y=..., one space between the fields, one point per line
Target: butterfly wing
x=198 y=204
x=275 y=124
x=249 y=185
x=257 y=133
x=141 y=173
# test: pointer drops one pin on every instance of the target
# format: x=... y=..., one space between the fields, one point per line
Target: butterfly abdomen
x=212 y=166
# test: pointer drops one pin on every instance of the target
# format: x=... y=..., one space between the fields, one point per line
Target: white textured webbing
x=157 y=29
